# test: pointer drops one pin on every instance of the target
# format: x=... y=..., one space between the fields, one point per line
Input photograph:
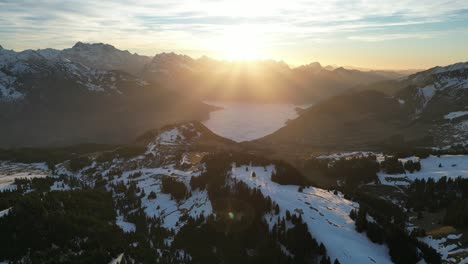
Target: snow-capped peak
x=452 y=80
x=18 y=68
x=450 y=68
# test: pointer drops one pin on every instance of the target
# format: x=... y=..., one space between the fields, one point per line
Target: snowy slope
x=160 y=161
x=9 y=171
x=447 y=246
x=453 y=166
x=326 y=214
x=163 y=207
x=5 y=212
x=22 y=71
x=424 y=87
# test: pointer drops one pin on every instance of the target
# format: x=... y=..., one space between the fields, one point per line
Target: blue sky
x=367 y=33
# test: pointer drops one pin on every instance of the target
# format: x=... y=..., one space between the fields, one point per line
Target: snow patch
x=163 y=206
x=452 y=166
x=118 y=259
x=60 y=186
x=127 y=227
x=445 y=246
x=427 y=92
x=5 y=212
x=462 y=125
x=453 y=115
x=9 y=171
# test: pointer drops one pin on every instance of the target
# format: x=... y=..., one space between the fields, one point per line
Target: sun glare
x=241 y=43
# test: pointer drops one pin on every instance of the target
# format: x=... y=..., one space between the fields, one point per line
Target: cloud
x=384 y=37
x=158 y=25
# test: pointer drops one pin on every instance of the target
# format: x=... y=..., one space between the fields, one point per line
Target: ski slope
x=326 y=214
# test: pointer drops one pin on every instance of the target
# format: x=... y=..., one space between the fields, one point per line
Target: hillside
x=46 y=99
x=429 y=104
x=350 y=121
x=188 y=196
x=177 y=196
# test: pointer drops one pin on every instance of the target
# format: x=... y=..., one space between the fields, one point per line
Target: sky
x=393 y=34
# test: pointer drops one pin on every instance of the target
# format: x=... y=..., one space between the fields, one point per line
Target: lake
x=241 y=121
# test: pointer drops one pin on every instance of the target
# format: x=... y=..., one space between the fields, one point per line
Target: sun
x=241 y=43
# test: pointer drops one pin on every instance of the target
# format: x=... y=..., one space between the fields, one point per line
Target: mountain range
x=47 y=99
x=98 y=93
x=212 y=79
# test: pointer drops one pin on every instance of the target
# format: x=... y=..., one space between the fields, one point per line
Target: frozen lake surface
x=248 y=121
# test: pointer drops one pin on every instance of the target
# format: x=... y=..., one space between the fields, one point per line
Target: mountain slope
x=436 y=100
x=21 y=72
x=346 y=121
x=164 y=201
x=47 y=99
x=430 y=103
x=106 y=57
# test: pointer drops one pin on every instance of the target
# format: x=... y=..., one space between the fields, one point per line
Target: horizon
x=292 y=66
x=390 y=35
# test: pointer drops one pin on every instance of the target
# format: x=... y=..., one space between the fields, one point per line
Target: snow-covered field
x=163 y=207
x=249 y=121
x=448 y=246
x=326 y=214
x=9 y=171
x=452 y=166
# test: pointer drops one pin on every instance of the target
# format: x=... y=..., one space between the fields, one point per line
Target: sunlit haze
x=371 y=34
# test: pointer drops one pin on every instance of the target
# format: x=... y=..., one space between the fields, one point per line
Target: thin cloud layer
x=200 y=27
